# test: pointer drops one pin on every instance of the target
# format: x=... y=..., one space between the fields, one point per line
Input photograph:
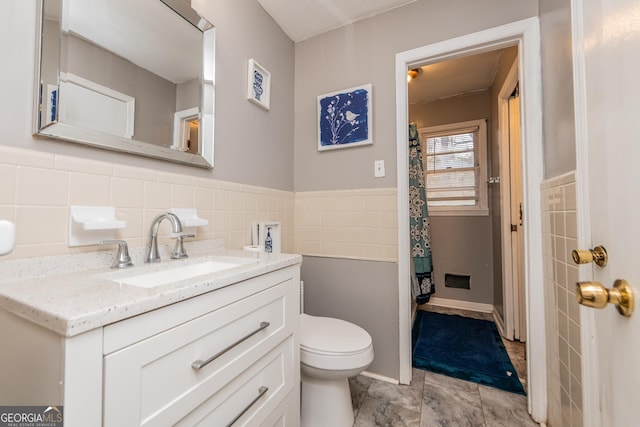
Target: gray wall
x=473 y=106
x=252 y=146
x=155 y=97
x=557 y=88
x=278 y=148
x=460 y=244
x=188 y=95
x=361 y=292
x=364 y=52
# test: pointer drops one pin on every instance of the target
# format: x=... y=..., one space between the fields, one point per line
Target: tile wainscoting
x=37 y=188
x=564 y=359
x=357 y=224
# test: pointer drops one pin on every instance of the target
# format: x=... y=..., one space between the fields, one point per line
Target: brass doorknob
x=597 y=255
x=594 y=294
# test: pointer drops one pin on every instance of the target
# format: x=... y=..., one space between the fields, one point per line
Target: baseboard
x=379 y=377
x=462 y=305
x=499 y=323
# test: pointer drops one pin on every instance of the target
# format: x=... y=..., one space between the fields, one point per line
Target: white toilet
x=331 y=350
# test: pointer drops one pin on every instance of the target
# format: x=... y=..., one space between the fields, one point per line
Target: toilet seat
x=333 y=344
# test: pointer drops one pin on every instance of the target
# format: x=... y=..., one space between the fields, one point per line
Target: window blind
x=451 y=167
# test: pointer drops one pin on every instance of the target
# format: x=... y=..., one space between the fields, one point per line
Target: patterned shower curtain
x=423 y=285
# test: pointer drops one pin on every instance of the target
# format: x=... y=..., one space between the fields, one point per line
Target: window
x=454 y=158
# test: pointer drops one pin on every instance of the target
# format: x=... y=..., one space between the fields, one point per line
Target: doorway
x=524 y=34
x=476 y=220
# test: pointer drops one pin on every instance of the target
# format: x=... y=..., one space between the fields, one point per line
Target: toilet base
x=326 y=402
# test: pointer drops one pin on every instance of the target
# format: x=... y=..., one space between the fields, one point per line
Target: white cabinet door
x=251 y=397
x=153 y=381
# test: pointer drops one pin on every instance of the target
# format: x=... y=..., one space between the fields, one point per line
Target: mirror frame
x=68 y=132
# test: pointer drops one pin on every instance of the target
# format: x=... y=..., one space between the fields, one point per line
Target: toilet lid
x=327 y=335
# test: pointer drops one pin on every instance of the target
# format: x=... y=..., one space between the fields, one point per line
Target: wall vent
x=457 y=281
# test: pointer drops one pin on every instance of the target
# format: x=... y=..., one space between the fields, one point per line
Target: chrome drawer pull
x=261 y=391
x=199 y=364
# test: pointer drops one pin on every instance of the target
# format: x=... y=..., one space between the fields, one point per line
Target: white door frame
x=526 y=34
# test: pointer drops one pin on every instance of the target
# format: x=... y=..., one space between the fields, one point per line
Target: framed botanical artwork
x=345 y=118
x=258 y=84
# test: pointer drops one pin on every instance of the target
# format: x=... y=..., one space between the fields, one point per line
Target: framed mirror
x=136 y=77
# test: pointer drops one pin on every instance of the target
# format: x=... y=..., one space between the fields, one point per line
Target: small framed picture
x=258 y=84
x=345 y=118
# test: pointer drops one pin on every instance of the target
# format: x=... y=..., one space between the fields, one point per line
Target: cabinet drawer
x=154 y=381
x=135 y=329
x=287 y=414
x=250 y=399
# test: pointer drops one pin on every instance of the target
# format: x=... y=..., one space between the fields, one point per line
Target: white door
x=607 y=63
x=511 y=209
x=517 y=232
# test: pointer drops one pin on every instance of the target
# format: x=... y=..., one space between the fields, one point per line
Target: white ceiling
x=166 y=46
x=303 y=19
x=455 y=77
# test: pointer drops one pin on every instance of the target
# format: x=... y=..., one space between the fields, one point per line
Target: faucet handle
x=122 y=259
x=178 y=251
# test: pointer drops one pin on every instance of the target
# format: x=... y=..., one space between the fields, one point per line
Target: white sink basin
x=171 y=275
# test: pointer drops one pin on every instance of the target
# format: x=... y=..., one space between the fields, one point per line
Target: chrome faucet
x=152 y=248
x=122 y=260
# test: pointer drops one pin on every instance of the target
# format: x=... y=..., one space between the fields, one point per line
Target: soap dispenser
x=268 y=243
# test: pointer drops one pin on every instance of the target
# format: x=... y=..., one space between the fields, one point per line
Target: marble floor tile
x=375 y=412
x=417 y=374
x=358 y=387
x=406 y=396
x=450 y=402
x=517 y=353
x=434 y=400
x=506 y=409
x=433 y=379
x=446 y=402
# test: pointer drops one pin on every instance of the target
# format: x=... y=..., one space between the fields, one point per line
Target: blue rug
x=460 y=347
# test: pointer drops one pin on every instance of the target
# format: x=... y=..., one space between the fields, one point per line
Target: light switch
x=378 y=169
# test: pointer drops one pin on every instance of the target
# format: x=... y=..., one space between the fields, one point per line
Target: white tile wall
x=560 y=231
x=358 y=224
x=36 y=190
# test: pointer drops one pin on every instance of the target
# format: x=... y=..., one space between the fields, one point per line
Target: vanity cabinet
x=226 y=356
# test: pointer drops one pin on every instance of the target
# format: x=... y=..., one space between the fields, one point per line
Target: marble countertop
x=72 y=294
